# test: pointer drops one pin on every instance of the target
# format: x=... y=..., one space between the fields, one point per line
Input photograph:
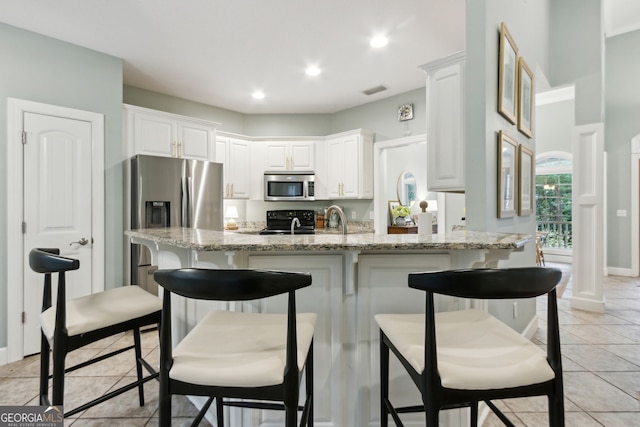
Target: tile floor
x=601 y=372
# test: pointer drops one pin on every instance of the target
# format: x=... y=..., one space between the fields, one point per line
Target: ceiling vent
x=373 y=90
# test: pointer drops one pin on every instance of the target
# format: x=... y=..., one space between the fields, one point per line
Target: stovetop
x=279 y=222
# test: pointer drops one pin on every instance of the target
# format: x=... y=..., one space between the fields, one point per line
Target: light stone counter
x=207 y=240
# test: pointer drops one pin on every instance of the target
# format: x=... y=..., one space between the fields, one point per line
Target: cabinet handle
x=293 y=166
x=174 y=150
x=286 y=163
x=181 y=149
x=231 y=190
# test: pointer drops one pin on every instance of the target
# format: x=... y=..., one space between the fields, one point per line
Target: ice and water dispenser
x=157 y=214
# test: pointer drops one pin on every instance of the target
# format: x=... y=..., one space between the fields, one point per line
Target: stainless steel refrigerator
x=170 y=192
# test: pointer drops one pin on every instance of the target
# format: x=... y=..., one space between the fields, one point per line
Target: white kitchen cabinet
x=325 y=298
x=445 y=123
x=169 y=135
x=290 y=156
x=349 y=166
x=235 y=155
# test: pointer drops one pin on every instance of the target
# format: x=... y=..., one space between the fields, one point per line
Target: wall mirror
x=407 y=188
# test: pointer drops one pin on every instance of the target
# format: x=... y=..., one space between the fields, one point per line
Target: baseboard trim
x=617 y=271
x=531 y=328
x=587 y=305
x=4 y=356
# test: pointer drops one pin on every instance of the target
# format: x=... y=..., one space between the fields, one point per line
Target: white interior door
x=57 y=207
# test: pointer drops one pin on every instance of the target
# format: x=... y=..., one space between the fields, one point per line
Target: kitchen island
x=355 y=276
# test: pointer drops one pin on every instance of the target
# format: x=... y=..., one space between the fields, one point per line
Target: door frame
x=15 y=120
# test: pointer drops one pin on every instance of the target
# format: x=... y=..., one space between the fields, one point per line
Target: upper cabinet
x=290 y=156
x=235 y=154
x=445 y=123
x=349 y=166
x=158 y=133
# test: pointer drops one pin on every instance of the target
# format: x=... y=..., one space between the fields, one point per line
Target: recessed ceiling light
x=379 y=41
x=258 y=94
x=312 y=71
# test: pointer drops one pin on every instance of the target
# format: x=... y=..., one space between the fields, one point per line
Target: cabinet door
x=154 y=135
x=335 y=168
x=277 y=155
x=236 y=169
x=445 y=133
x=325 y=298
x=195 y=141
x=302 y=156
x=382 y=288
x=351 y=171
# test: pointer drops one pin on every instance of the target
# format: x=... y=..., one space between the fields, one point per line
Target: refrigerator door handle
x=184 y=201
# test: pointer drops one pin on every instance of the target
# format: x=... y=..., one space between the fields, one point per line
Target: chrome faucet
x=340 y=213
x=295 y=222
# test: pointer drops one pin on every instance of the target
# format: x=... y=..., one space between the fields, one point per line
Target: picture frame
x=507 y=76
x=405 y=112
x=392 y=204
x=525 y=180
x=525 y=98
x=507 y=175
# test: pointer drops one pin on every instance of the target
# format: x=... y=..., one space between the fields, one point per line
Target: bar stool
x=256 y=357
x=75 y=323
x=457 y=359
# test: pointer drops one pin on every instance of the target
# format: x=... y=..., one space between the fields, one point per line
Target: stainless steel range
x=281 y=222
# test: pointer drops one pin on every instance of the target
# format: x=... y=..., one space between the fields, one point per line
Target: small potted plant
x=400 y=214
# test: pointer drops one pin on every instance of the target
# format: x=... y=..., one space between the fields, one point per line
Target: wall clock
x=405 y=112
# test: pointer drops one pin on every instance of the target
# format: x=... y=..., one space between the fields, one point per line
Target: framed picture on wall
x=507 y=75
x=525 y=181
x=507 y=175
x=525 y=98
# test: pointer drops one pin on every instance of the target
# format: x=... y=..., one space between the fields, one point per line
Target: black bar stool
x=72 y=324
x=256 y=357
x=459 y=358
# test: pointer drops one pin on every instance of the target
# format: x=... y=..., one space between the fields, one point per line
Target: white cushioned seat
x=103 y=309
x=475 y=350
x=232 y=349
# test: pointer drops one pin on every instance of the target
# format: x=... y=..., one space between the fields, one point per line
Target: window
x=553 y=199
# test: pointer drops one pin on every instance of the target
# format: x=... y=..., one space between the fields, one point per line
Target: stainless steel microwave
x=289 y=186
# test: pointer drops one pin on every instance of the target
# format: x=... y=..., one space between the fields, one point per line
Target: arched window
x=553 y=198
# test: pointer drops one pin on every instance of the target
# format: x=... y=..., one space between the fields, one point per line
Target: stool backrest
x=489 y=283
x=230 y=285
x=49 y=261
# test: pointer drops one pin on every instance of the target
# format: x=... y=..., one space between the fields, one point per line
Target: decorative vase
x=400 y=220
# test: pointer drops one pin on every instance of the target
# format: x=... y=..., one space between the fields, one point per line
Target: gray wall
x=622 y=112
x=528 y=23
x=575 y=55
x=379 y=116
x=554 y=126
x=41 y=69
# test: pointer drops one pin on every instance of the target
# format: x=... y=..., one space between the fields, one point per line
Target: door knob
x=81 y=242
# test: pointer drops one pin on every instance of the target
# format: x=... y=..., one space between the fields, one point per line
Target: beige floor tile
x=596 y=334
x=617 y=419
x=629 y=331
x=593 y=394
x=630 y=353
x=594 y=358
x=18 y=391
x=127 y=405
x=629 y=382
x=578 y=419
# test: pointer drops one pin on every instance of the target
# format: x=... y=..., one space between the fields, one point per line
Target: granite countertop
x=208 y=240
